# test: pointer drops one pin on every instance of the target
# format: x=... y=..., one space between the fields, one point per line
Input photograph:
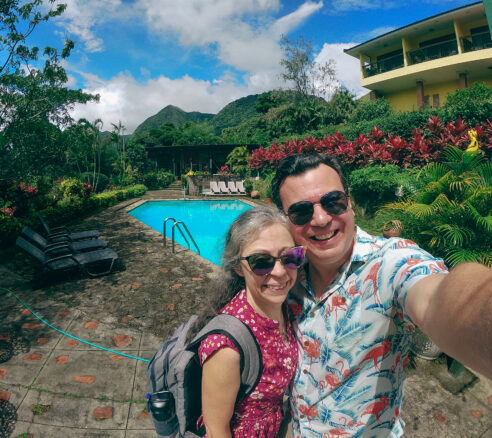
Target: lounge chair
x=223 y=188
x=63 y=234
x=232 y=188
x=60 y=248
x=240 y=187
x=85 y=262
x=214 y=188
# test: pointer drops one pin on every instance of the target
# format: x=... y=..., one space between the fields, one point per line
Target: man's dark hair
x=298 y=164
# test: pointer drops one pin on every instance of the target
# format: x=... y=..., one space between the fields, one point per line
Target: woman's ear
x=239 y=272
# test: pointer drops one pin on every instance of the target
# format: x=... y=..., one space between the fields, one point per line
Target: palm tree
x=92 y=135
x=449 y=211
x=119 y=129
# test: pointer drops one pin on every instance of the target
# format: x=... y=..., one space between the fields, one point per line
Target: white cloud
x=355 y=5
x=360 y=5
x=229 y=26
x=81 y=16
x=378 y=32
x=347 y=67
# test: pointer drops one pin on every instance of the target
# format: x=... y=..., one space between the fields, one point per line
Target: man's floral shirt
x=355 y=341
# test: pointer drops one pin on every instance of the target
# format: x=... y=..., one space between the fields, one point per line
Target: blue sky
x=142 y=55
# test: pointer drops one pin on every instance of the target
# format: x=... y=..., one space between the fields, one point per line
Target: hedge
x=67 y=210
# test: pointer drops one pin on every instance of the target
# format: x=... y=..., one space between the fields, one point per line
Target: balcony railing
x=384 y=65
x=434 y=51
x=477 y=41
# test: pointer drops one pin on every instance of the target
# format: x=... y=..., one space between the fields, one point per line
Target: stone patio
x=54 y=385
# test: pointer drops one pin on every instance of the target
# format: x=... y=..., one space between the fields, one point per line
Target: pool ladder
x=179 y=225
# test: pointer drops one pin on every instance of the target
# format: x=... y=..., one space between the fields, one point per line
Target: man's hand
x=455 y=311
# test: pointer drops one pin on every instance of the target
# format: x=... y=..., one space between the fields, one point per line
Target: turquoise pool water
x=208 y=221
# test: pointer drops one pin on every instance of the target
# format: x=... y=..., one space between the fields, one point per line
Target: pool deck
x=56 y=386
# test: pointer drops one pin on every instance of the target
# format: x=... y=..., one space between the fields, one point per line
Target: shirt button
x=302 y=416
x=311 y=314
x=306 y=343
x=344 y=299
x=304 y=371
x=301 y=397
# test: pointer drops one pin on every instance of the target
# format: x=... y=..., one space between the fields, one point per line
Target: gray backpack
x=174 y=375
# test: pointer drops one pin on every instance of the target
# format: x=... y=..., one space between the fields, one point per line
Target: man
x=356 y=302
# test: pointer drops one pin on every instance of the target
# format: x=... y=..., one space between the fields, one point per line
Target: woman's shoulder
x=212 y=344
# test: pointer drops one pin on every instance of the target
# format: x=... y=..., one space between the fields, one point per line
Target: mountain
x=231 y=115
x=174 y=115
x=235 y=112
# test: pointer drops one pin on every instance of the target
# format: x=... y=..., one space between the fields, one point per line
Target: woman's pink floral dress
x=260 y=414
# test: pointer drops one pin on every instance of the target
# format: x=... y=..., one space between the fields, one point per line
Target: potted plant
x=248 y=186
x=392 y=228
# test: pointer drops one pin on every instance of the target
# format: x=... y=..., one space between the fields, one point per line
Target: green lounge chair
x=60 y=248
x=63 y=234
x=86 y=262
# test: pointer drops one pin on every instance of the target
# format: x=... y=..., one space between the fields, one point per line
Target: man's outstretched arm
x=455 y=311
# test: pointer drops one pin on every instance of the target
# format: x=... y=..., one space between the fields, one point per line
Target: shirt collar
x=365 y=245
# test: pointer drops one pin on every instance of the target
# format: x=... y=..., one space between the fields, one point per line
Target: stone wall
x=198 y=184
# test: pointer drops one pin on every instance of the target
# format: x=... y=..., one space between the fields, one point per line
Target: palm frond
x=452 y=154
x=432 y=172
x=455 y=256
x=442 y=201
x=455 y=235
x=485 y=172
x=485 y=223
x=420 y=211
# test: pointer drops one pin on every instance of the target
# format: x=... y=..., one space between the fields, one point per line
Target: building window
x=435 y=101
x=426 y=101
x=390 y=61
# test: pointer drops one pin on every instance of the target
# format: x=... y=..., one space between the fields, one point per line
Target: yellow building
x=417 y=65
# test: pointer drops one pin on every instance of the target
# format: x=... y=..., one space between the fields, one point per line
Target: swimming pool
x=208 y=221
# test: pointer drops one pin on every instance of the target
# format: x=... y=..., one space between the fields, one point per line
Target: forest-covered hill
x=174 y=115
x=232 y=114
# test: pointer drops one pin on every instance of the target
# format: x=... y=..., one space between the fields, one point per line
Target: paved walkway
x=55 y=386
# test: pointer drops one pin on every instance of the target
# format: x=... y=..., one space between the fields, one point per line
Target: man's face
x=327 y=238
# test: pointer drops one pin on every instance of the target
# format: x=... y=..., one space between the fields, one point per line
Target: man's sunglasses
x=335 y=202
x=263 y=264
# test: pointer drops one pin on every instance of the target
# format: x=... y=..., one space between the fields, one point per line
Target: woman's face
x=268 y=291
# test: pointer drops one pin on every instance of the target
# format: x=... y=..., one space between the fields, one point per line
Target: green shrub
x=10 y=228
x=373 y=186
x=158 y=180
x=473 y=104
x=248 y=185
x=106 y=199
x=102 y=181
x=71 y=188
x=400 y=124
x=264 y=185
x=139 y=190
x=369 y=110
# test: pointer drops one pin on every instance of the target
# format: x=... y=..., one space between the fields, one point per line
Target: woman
x=259 y=266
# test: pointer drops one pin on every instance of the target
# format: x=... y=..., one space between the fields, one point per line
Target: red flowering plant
x=381 y=148
x=224 y=171
x=19 y=198
x=88 y=189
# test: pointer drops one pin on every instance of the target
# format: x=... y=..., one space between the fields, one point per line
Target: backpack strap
x=251 y=363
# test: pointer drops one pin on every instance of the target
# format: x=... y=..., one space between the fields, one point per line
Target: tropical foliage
x=34 y=101
x=449 y=213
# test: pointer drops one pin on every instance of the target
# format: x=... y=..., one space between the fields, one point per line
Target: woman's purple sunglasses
x=263 y=264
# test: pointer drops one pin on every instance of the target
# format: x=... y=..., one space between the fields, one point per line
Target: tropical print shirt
x=355 y=341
